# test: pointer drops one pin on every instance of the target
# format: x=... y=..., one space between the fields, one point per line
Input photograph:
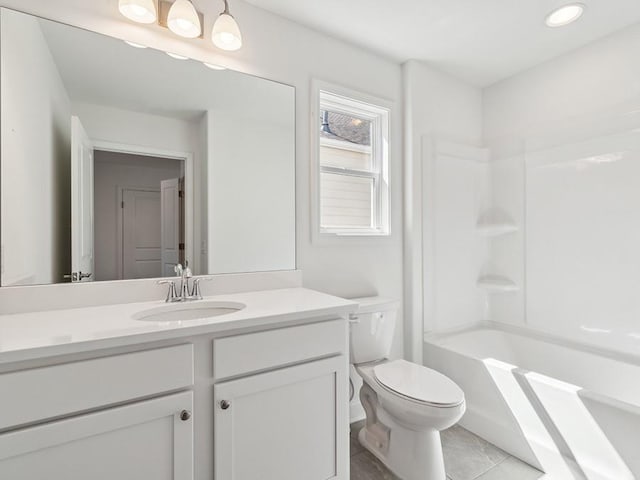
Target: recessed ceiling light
x=213 y=66
x=565 y=15
x=176 y=56
x=135 y=45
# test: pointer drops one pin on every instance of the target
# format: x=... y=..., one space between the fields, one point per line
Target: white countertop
x=27 y=336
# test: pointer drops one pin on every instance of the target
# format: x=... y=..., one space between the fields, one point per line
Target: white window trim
x=383 y=208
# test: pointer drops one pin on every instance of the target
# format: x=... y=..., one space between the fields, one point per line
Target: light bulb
x=135 y=45
x=183 y=19
x=226 y=33
x=177 y=56
x=141 y=11
x=213 y=66
x=565 y=15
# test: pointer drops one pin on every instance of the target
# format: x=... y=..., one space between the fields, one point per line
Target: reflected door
x=170 y=225
x=82 y=257
x=141 y=257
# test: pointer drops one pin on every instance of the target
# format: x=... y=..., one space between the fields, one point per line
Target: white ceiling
x=480 y=41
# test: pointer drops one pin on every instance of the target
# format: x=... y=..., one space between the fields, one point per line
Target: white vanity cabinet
x=268 y=402
x=287 y=423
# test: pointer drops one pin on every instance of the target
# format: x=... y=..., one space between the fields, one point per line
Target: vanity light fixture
x=213 y=66
x=183 y=19
x=141 y=11
x=226 y=32
x=565 y=15
x=177 y=56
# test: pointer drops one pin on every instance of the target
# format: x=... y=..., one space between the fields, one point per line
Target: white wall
x=35 y=174
x=115 y=125
x=113 y=170
x=567 y=127
x=284 y=51
x=591 y=81
x=251 y=195
x=438 y=108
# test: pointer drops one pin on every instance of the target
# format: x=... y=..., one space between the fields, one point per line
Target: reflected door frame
x=187 y=157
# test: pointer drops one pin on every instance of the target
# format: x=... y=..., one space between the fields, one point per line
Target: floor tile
x=467 y=456
x=364 y=466
x=512 y=469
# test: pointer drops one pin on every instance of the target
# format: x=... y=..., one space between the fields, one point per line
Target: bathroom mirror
x=119 y=161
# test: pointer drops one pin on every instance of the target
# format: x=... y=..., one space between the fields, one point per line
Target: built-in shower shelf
x=494 y=222
x=497 y=284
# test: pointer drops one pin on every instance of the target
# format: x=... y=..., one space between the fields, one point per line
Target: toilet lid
x=419 y=383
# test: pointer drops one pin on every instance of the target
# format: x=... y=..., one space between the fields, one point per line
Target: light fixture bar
x=163 y=15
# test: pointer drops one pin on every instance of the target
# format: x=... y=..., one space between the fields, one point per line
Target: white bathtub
x=569 y=410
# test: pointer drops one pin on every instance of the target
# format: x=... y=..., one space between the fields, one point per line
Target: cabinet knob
x=185 y=415
x=225 y=404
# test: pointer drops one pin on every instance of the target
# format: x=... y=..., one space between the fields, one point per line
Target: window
x=353 y=145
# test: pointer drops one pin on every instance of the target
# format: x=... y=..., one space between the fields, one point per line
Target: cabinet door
x=289 y=424
x=146 y=440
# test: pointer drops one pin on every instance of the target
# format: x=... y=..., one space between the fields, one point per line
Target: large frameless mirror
x=119 y=162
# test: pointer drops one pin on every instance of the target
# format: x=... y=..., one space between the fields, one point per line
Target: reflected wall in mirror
x=118 y=162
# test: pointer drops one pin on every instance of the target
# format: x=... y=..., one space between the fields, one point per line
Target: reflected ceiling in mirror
x=119 y=162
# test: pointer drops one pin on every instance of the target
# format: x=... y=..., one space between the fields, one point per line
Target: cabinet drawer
x=241 y=354
x=42 y=393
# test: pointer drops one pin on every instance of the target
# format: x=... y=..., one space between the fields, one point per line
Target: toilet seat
x=418 y=383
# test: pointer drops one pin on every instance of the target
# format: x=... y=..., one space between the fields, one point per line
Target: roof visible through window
x=346 y=128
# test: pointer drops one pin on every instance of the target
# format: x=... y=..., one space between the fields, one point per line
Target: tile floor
x=466 y=457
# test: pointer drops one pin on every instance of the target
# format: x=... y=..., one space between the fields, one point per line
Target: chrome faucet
x=185 y=275
x=184 y=293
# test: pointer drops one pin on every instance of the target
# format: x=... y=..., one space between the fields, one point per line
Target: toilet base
x=410 y=454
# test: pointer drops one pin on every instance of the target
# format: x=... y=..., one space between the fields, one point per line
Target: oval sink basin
x=180 y=312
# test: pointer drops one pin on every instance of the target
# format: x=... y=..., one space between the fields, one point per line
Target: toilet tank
x=372 y=328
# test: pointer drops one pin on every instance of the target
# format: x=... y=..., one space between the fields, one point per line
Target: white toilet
x=406 y=405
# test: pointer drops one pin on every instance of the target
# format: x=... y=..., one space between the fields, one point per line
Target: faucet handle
x=187 y=270
x=196 y=292
x=178 y=269
x=171 y=294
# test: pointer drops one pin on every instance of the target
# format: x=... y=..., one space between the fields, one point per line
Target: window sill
x=347 y=233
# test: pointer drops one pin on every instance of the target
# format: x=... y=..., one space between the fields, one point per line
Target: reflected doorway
x=139 y=215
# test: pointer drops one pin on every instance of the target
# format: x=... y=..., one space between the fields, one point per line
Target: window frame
x=366 y=107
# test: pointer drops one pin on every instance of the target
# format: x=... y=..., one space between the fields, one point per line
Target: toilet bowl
x=406 y=404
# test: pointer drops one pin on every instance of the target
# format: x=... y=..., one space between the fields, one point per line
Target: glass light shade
x=141 y=11
x=565 y=15
x=226 y=33
x=183 y=19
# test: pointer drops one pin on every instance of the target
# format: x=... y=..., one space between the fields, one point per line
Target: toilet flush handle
x=353 y=318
